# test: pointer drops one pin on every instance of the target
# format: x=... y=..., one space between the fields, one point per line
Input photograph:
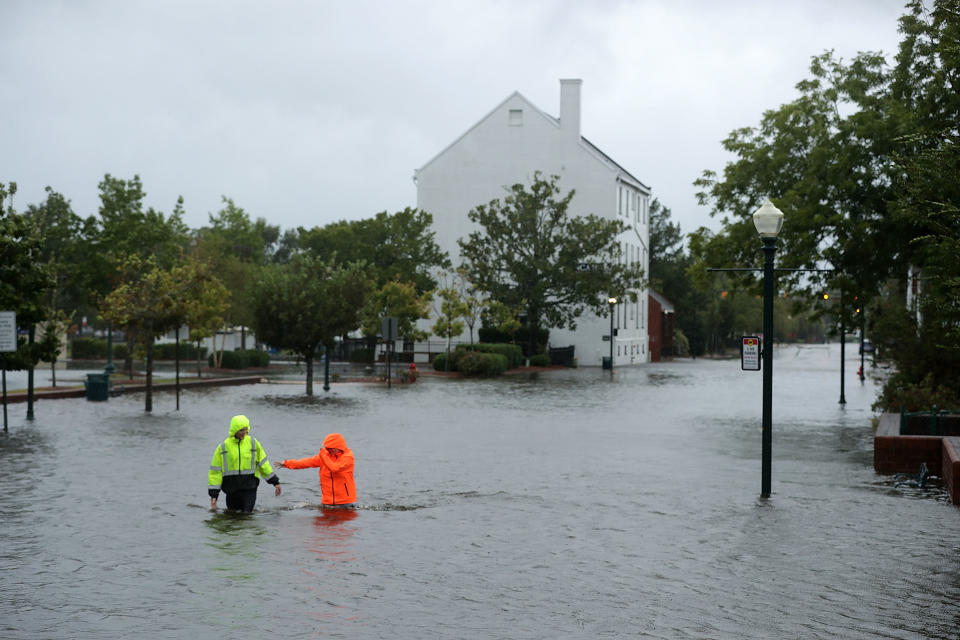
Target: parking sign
x=8 y=331
x=750 y=353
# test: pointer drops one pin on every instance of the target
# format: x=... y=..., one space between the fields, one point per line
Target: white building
x=506 y=147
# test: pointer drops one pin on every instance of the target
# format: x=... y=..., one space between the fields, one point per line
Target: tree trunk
x=199 y=358
x=309 y=360
x=149 y=393
x=128 y=361
x=53 y=372
x=218 y=355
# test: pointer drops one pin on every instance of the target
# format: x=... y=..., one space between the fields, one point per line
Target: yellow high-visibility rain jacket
x=239 y=464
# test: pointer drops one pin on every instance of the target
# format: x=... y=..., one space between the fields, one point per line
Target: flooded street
x=567 y=505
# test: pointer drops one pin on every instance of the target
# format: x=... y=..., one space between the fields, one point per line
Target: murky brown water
x=564 y=506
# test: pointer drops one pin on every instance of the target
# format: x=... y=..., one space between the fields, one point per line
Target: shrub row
x=513 y=353
x=521 y=337
x=95 y=348
x=482 y=360
x=241 y=359
x=168 y=351
x=540 y=360
x=482 y=365
x=364 y=354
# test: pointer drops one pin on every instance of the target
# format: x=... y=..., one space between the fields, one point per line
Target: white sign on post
x=750 y=353
x=8 y=331
x=388 y=328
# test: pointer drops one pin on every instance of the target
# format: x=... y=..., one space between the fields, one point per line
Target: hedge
x=540 y=360
x=440 y=362
x=522 y=337
x=168 y=351
x=95 y=348
x=364 y=354
x=483 y=365
x=241 y=359
x=513 y=353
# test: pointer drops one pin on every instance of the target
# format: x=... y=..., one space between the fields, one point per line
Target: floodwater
x=562 y=506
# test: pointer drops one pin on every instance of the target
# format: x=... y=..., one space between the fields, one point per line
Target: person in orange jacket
x=335 y=462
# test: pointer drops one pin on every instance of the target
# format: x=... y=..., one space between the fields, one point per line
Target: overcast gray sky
x=307 y=112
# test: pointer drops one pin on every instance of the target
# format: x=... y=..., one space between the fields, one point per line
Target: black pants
x=242 y=499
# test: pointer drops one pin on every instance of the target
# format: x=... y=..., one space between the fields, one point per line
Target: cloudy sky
x=310 y=111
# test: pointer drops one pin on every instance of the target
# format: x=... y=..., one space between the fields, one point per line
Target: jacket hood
x=237 y=423
x=335 y=441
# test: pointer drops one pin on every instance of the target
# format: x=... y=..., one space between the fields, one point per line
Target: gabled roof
x=517 y=94
x=594 y=149
x=665 y=304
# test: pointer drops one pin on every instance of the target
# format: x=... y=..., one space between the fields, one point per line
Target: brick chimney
x=570 y=108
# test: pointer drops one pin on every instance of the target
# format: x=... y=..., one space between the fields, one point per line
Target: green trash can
x=607 y=362
x=98 y=386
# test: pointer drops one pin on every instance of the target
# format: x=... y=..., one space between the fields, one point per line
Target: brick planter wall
x=894 y=453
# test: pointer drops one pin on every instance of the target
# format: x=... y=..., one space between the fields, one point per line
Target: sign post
x=750 y=353
x=388 y=328
x=8 y=344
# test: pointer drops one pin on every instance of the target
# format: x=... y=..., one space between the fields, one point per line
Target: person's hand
x=278 y=463
x=277 y=492
x=213 y=504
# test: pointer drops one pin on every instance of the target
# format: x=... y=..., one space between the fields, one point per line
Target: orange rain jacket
x=336 y=474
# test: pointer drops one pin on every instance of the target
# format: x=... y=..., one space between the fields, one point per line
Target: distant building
x=506 y=147
x=914 y=291
x=660 y=325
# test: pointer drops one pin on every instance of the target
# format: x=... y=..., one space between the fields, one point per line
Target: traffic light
x=826 y=296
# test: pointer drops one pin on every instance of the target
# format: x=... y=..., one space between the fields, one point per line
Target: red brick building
x=659 y=325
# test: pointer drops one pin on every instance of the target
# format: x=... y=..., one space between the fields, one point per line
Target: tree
x=25 y=278
x=826 y=160
x=306 y=303
x=451 y=310
x=401 y=300
x=60 y=229
x=125 y=229
x=925 y=87
x=152 y=300
x=530 y=252
x=397 y=246
x=238 y=248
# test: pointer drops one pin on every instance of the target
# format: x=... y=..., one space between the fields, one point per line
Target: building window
x=516 y=117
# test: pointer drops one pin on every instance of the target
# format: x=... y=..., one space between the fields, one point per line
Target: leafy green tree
x=126 y=229
x=826 y=160
x=306 y=303
x=399 y=246
x=238 y=248
x=25 y=278
x=926 y=87
x=669 y=265
x=401 y=300
x=530 y=251
x=152 y=300
x=60 y=229
x=450 y=308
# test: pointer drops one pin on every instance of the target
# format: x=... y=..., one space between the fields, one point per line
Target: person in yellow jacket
x=335 y=463
x=236 y=468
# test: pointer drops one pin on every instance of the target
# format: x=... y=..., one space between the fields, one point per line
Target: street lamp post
x=109 y=369
x=768 y=220
x=612 y=302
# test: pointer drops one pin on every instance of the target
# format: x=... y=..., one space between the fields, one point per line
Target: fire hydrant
x=413 y=372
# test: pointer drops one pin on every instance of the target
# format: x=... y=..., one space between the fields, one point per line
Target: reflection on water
x=333 y=532
x=567 y=504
